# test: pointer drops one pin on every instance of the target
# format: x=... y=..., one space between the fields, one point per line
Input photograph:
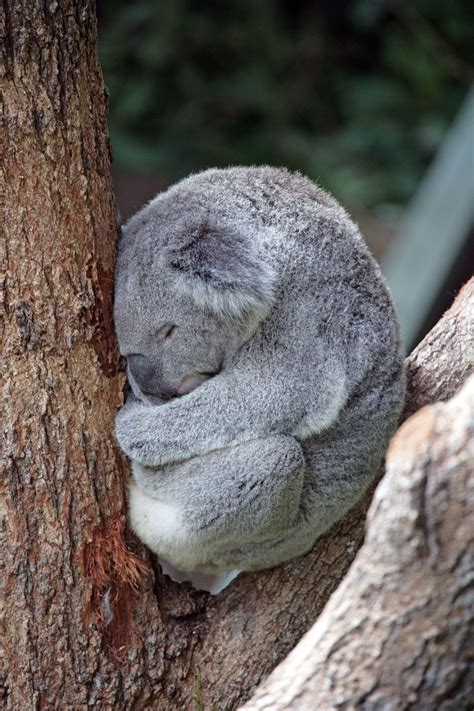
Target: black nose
x=147 y=378
x=142 y=371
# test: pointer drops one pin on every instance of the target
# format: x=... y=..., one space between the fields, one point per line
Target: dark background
x=357 y=95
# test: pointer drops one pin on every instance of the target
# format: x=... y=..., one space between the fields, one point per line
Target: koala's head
x=187 y=297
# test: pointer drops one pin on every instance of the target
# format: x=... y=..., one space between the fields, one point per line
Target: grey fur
x=271 y=287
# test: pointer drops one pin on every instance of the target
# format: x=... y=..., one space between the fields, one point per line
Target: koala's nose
x=141 y=370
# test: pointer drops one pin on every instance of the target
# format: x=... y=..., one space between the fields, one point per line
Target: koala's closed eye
x=166 y=331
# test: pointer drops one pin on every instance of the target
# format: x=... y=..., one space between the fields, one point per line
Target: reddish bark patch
x=115 y=573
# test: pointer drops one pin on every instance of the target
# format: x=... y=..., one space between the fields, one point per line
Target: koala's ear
x=221 y=271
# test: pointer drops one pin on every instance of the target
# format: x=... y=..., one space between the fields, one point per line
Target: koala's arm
x=236 y=406
x=241 y=493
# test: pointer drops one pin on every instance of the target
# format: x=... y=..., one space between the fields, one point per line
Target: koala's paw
x=136 y=433
x=149 y=435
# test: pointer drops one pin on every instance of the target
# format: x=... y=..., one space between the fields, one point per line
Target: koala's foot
x=211 y=582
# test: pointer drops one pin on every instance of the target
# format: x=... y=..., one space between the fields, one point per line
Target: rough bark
x=398 y=632
x=84 y=624
x=67 y=565
x=443 y=360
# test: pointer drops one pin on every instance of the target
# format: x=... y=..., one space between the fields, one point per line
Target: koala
x=265 y=365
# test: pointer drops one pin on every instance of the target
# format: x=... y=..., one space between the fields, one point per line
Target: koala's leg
x=232 y=496
x=340 y=464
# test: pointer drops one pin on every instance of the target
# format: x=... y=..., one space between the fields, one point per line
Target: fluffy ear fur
x=220 y=270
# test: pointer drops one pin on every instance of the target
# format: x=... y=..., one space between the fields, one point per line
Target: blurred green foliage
x=355 y=94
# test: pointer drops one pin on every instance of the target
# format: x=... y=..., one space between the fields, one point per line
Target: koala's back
x=328 y=280
x=332 y=287
x=329 y=291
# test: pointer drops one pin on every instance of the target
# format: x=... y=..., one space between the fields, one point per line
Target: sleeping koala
x=265 y=363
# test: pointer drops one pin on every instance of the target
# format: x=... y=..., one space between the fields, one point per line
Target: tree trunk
x=85 y=624
x=68 y=570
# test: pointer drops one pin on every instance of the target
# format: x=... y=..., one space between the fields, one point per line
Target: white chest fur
x=161 y=527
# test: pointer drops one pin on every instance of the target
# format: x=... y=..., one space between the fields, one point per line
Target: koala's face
x=170 y=344
x=190 y=290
